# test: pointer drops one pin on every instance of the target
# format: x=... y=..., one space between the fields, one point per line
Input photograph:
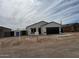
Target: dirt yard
x=53 y=46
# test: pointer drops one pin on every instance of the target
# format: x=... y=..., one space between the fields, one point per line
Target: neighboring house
x=4 y=32
x=18 y=33
x=44 y=28
x=73 y=27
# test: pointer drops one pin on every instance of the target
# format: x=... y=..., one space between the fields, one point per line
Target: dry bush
x=15 y=41
x=11 y=42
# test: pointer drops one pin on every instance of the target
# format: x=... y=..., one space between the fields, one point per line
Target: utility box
x=17 y=33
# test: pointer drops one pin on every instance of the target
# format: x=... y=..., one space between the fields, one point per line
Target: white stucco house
x=44 y=28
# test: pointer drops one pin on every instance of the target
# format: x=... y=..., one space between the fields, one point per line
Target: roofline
x=5 y=27
x=36 y=23
x=71 y=24
x=51 y=22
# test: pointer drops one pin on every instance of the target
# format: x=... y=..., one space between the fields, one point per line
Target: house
x=73 y=27
x=44 y=28
x=4 y=32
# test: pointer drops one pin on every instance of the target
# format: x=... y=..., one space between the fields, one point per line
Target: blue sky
x=21 y=13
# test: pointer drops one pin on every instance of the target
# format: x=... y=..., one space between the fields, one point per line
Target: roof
x=51 y=22
x=37 y=23
x=4 y=27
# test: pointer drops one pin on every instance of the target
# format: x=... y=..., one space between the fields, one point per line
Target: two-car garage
x=51 y=28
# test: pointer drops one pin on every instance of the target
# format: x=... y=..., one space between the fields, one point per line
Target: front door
x=39 y=30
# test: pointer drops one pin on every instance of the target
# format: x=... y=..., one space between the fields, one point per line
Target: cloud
x=21 y=13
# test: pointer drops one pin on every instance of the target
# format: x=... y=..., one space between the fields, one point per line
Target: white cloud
x=21 y=13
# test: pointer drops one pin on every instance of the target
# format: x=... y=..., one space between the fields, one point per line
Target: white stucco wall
x=52 y=24
x=37 y=25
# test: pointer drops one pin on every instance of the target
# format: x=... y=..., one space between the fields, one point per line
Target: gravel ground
x=52 y=46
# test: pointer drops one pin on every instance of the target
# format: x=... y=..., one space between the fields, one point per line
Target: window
x=33 y=30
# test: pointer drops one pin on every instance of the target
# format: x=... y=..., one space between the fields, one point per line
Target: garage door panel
x=52 y=30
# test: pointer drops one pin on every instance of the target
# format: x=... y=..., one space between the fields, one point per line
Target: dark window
x=23 y=33
x=33 y=30
x=39 y=30
x=12 y=33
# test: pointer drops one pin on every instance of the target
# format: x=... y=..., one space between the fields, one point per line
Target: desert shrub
x=16 y=43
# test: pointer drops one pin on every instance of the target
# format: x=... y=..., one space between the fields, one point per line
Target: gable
x=39 y=24
x=52 y=24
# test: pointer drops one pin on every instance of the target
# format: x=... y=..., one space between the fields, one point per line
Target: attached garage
x=51 y=28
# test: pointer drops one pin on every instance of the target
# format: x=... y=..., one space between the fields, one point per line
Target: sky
x=18 y=14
